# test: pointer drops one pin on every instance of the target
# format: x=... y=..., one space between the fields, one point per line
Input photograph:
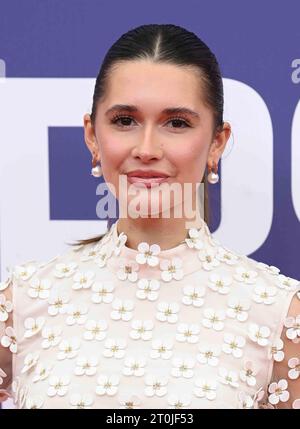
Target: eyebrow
x=168 y=110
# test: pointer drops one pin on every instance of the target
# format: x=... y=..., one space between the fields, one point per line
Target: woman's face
x=146 y=136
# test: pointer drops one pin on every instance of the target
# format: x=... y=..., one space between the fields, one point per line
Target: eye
x=125 y=121
x=179 y=121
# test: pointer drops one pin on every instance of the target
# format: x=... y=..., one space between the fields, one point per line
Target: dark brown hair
x=165 y=43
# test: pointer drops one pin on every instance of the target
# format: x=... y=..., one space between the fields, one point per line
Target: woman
x=155 y=313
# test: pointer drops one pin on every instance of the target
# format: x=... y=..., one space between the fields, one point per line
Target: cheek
x=113 y=154
x=190 y=159
x=112 y=151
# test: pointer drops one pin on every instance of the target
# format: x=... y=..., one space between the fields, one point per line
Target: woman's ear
x=90 y=138
x=218 y=144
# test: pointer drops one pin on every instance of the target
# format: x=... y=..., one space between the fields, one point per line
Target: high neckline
x=150 y=260
x=194 y=236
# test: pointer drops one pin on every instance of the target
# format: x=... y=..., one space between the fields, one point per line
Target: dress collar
x=149 y=259
x=195 y=237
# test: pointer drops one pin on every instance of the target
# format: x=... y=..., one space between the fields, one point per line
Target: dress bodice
x=107 y=326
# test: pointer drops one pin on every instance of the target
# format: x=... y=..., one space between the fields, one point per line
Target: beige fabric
x=107 y=326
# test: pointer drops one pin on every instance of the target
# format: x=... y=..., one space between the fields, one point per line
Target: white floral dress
x=107 y=326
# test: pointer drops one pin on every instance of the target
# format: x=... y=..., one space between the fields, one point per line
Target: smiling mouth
x=146 y=181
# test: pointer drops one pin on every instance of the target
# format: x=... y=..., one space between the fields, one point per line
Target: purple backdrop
x=254 y=42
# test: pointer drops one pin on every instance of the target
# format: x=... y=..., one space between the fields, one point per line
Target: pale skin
x=152 y=140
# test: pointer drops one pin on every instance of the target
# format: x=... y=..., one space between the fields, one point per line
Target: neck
x=166 y=232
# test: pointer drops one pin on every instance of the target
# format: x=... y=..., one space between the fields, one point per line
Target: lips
x=148 y=182
x=147 y=173
x=148 y=178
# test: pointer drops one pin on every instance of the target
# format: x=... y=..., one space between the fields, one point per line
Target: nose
x=148 y=147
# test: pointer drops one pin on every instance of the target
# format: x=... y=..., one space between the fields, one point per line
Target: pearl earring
x=96 y=171
x=213 y=177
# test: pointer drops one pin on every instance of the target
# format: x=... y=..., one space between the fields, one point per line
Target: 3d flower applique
x=167 y=312
x=294 y=365
x=213 y=243
x=89 y=253
x=148 y=289
x=259 y=334
x=83 y=280
x=95 y=330
x=9 y=339
x=20 y=392
x=51 y=336
x=4 y=285
x=134 y=365
x=68 y=348
x=205 y=388
x=183 y=367
x=161 y=348
x=42 y=371
x=156 y=385
x=107 y=384
x=228 y=377
x=195 y=240
x=296 y=404
x=179 y=400
x=103 y=292
x=24 y=272
x=220 y=284
x=245 y=401
x=103 y=256
x=171 y=269
x=238 y=308
x=276 y=350
x=208 y=354
x=65 y=270
x=129 y=401
x=122 y=238
x=81 y=400
x=148 y=254
x=5 y=308
x=86 y=365
x=39 y=288
x=77 y=313
x=58 y=385
x=227 y=256
x=34 y=402
x=245 y=275
x=122 y=309
x=58 y=303
x=278 y=392
x=258 y=397
x=286 y=283
x=233 y=344
x=141 y=329
x=271 y=269
x=213 y=319
x=128 y=270
x=114 y=347
x=30 y=361
x=264 y=294
x=208 y=259
x=33 y=326
x=188 y=333
x=249 y=372
x=293 y=328
x=193 y=295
